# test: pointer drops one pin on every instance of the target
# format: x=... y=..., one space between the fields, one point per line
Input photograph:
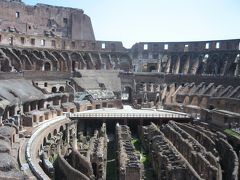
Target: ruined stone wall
x=220 y=163
x=198 y=78
x=203 y=162
x=201 y=137
x=98 y=153
x=14 y=39
x=129 y=166
x=8 y=152
x=68 y=171
x=187 y=93
x=203 y=57
x=45 y=20
x=19 y=60
x=166 y=160
x=229 y=159
x=81 y=163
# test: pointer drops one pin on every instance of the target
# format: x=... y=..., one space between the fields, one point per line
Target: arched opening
x=94 y=166
x=152 y=67
x=96 y=60
x=61 y=89
x=88 y=61
x=73 y=65
x=61 y=60
x=27 y=64
x=55 y=132
x=174 y=65
x=127 y=94
x=33 y=105
x=183 y=66
x=40 y=104
x=11 y=111
x=5 y=65
x=47 y=66
x=49 y=136
x=44 y=141
x=26 y=107
x=61 y=129
x=186 y=100
x=211 y=107
x=195 y=101
x=125 y=66
x=54 y=89
x=204 y=102
x=125 y=63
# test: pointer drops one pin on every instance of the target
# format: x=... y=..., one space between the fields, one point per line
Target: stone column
x=67 y=134
x=74 y=142
x=144 y=87
x=1 y=121
x=151 y=88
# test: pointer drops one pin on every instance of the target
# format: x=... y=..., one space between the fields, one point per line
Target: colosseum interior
x=75 y=108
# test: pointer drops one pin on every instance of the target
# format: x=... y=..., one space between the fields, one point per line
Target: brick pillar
x=67 y=134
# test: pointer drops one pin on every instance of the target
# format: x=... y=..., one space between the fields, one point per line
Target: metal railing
x=128 y=115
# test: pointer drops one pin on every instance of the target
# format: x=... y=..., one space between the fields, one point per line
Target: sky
x=132 y=21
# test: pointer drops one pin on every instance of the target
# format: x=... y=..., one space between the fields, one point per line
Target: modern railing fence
x=128 y=115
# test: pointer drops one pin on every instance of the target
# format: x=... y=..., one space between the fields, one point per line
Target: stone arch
x=221 y=104
x=204 y=102
x=38 y=54
x=77 y=61
x=106 y=61
x=33 y=105
x=47 y=66
x=40 y=104
x=5 y=65
x=44 y=141
x=194 y=63
x=27 y=64
x=87 y=58
x=36 y=61
x=66 y=56
x=174 y=67
x=97 y=61
x=16 y=62
x=16 y=51
x=202 y=68
x=62 y=61
x=233 y=64
x=186 y=100
x=49 y=136
x=54 y=89
x=184 y=64
x=55 y=132
x=213 y=64
x=165 y=63
x=152 y=68
x=195 y=101
x=61 y=129
x=61 y=89
x=115 y=61
x=125 y=63
x=54 y=61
